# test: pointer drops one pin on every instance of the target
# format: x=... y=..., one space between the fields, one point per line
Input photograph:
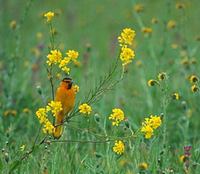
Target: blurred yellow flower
x=152 y=82
x=162 y=76
x=171 y=24
x=54 y=57
x=26 y=110
x=13 y=24
x=176 y=96
x=193 y=79
x=154 y=20
x=10 y=112
x=138 y=8
x=41 y=113
x=85 y=109
x=194 y=88
x=143 y=166
x=49 y=16
x=117 y=116
x=119 y=147
x=126 y=37
x=126 y=55
x=147 y=130
x=147 y=30
x=180 y=5
x=76 y=88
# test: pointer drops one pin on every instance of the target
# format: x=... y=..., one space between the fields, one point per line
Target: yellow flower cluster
x=150 y=124
x=126 y=39
x=42 y=115
x=171 y=24
x=85 y=109
x=117 y=116
x=55 y=57
x=49 y=16
x=119 y=147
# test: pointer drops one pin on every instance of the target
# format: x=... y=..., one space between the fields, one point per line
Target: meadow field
x=134 y=104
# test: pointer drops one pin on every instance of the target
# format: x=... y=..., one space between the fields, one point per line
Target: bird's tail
x=58 y=125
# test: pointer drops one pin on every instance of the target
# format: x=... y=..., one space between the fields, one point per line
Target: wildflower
x=26 y=110
x=171 y=24
x=119 y=147
x=72 y=55
x=63 y=65
x=10 y=112
x=85 y=109
x=147 y=130
x=76 y=88
x=182 y=158
x=126 y=55
x=39 y=35
x=117 y=116
x=193 y=79
x=126 y=37
x=150 y=124
x=143 y=166
x=13 y=24
x=154 y=20
x=162 y=76
x=155 y=121
x=54 y=57
x=180 y=6
x=176 y=96
x=147 y=30
x=152 y=82
x=55 y=107
x=194 y=88
x=138 y=8
x=41 y=113
x=48 y=127
x=49 y=16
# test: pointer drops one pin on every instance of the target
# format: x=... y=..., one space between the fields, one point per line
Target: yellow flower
x=13 y=24
x=48 y=128
x=150 y=124
x=49 y=15
x=117 y=116
x=143 y=166
x=41 y=113
x=72 y=55
x=171 y=24
x=194 y=88
x=174 y=45
x=76 y=88
x=180 y=5
x=193 y=79
x=126 y=37
x=147 y=130
x=154 y=20
x=138 y=8
x=176 y=96
x=162 y=76
x=147 y=30
x=182 y=158
x=85 y=109
x=126 y=55
x=119 y=147
x=55 y=107
x=155 y=121
x=63 y=65
x=152 y=82
x=26 y=110
x=54 y=57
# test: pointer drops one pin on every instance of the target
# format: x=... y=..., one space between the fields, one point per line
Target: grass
x=95 y=25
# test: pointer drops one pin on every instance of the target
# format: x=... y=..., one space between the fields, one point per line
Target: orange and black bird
x=66 y=94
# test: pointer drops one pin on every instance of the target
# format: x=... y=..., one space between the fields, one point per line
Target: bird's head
x=67 y=82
